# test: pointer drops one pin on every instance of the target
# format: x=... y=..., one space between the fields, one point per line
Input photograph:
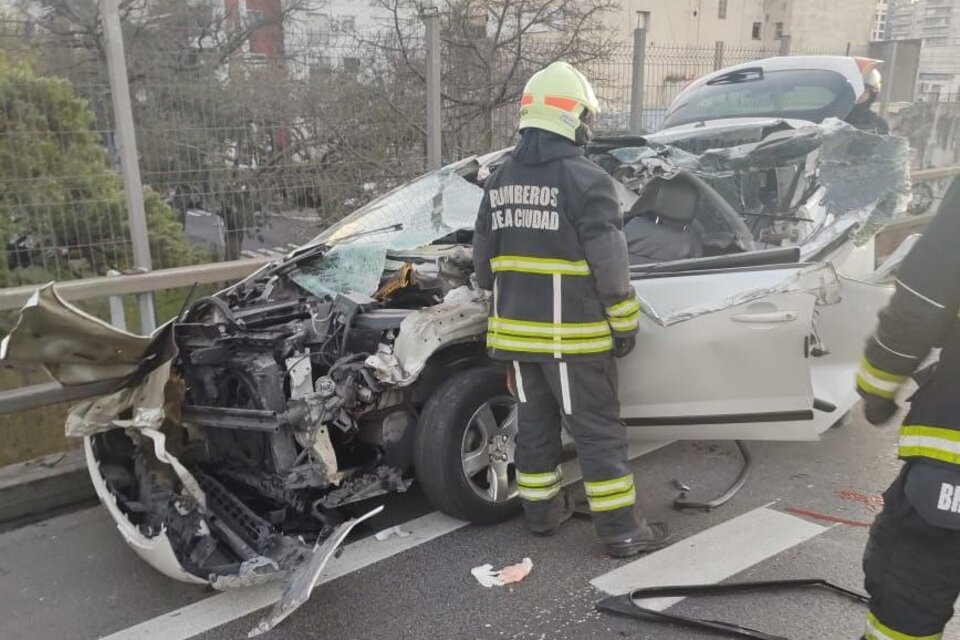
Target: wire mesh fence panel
x=251 y=138
x=260 y=123
x=61 y=205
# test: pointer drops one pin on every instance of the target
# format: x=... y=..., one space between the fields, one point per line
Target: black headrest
x=669 y=199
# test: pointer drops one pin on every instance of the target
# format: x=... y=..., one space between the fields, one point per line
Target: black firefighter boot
x=654 y=535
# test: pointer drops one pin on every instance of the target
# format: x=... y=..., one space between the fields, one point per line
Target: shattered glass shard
x=346 y=268
x=427 y=208
x=864 y=174
x=409 y=217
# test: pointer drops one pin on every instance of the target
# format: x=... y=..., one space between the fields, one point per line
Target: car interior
x=659 y=226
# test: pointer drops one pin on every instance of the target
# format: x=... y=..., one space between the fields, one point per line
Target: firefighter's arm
x=600 y=229
x=921 y=312
x=481 y=246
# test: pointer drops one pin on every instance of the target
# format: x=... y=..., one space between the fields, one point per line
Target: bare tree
x=489 y=49
x=208 y=110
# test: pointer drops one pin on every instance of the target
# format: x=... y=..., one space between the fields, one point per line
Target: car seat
x=660 y=225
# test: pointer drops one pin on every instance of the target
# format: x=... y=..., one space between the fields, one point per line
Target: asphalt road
x=72 y=576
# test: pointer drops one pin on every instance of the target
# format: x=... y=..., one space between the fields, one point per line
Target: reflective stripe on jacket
x=549 y=243
x=921 y=316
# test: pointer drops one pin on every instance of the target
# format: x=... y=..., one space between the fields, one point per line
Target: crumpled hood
x=539 y=147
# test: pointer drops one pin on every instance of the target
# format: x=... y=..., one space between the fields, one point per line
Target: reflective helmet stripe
x=567 y=104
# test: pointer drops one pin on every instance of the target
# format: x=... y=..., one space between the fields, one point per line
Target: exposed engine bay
x=283 y=417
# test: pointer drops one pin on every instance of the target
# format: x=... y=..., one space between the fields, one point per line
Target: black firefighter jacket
x=922 y=315
x=549 y=243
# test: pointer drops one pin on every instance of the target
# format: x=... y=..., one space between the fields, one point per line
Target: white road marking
x=228 y=606
x=712 y=555
x=221 y=609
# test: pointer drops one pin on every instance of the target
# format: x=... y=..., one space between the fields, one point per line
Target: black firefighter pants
x=912 y=570
x=583 y=396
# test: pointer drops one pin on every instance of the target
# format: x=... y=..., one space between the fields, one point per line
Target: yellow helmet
x=558 y=99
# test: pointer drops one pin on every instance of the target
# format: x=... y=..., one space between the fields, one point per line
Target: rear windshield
x=803 y=94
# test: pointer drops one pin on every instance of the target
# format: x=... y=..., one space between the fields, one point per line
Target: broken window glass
x=411 y=216
x=344 y=269
x=414 y=214
x=786 y=184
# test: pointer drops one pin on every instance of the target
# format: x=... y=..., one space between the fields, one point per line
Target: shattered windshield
x=413 y=215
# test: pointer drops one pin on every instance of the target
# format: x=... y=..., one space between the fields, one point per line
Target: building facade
x=937 y=24
x=934 y=21
x=813 y=25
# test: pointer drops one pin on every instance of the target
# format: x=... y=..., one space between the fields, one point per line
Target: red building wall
x=268 y=39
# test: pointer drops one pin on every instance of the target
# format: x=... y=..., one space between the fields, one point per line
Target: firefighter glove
x=877 y=410
x=623 y=345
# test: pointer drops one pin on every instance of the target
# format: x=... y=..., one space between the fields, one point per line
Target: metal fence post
x=118 y=316
x=431 y=18
x=889 y=68
x=718 y=55
x=785 y=43
x=637 y=78
x=129 y=158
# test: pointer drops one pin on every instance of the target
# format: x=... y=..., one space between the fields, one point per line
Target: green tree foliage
x=212 y=126
x=62 y=209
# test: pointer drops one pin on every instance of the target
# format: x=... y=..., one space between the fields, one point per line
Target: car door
x=725 y=353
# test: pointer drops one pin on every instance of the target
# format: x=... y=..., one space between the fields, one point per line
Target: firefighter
x=549 y=245
x=912 y=560
x=862 y=116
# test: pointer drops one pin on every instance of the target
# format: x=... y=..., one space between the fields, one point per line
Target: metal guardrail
x=926 y=175
x=51 y=393
x=126 y=284
x=110 y=286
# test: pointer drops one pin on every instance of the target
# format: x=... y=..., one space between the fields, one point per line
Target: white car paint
x=156 y=550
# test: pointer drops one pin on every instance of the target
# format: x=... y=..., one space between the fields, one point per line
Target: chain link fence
x=254 y=135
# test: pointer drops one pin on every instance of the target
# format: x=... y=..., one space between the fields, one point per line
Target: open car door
x=728 y=348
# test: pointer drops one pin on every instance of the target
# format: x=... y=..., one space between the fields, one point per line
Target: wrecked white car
x=239 y=435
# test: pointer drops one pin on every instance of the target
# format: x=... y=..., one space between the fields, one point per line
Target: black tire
x=437 y=446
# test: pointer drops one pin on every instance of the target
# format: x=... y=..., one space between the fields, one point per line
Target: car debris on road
x=631 y=604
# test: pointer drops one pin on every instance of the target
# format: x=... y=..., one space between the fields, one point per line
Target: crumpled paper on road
x=487 y=577
x=391 y=532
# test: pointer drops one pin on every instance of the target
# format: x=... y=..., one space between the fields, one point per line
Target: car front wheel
x=464 y=448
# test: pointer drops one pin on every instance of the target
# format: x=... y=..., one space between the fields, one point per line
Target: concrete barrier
x=42 y=485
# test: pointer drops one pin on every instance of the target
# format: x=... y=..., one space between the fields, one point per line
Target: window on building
x=722 y=10
x=318 y=37
x=348 y=24
x=756 y=30
x=351 y=65
x=475 y=27
x=254 y=16
x=778 y=31
x=320 y=68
